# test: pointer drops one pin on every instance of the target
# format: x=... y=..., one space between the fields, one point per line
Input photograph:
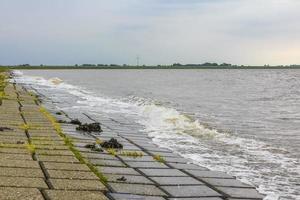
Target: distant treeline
x=206 y=65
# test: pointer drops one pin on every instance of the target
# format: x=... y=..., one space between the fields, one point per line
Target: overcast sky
x=254 y=32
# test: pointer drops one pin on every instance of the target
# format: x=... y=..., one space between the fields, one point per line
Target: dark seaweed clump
x=75 y=121
x=122 y=178
x=112 y=143
x=93 y=127
x=62 y=121
x=5 y=129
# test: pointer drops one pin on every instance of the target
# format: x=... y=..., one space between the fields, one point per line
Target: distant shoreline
x=147 y=67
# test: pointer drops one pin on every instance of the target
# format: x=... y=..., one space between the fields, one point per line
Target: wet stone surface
x=162 y=172
x=176 y=180
x=117 y=196
x=136 y=189
x=191 y=191
x=128 y=177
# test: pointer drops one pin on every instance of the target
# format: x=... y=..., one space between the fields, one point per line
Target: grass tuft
x=98 y=141
x=31 y=148
x=112 y=151
x=159 y=158
x=134 y=154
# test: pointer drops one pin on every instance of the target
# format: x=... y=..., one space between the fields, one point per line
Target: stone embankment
x=43 y=159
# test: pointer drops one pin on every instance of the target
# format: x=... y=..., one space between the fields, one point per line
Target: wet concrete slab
x=163 y=180
x=140 y=189
x=208 y=174
x=162 y=172
x=128 y=179
x=102 y=162
x=226 y=182
x=118 y=196
x=191 y=191
x=153 y=164
x=240 y=192
x=118 y=170
x=187 y=166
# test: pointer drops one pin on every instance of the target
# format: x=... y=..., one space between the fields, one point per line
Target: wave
x=252 y=161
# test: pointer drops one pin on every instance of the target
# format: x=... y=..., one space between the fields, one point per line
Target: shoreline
x=145 y=67
x=156 y=174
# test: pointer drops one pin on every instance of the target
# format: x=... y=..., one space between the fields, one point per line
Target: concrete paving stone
x=42 y=134
x=12 y=193
x=118 y=170
x=226 y=182
x=21 y=172
x=176 y=160
x=112 y=163
x=187 y=166
x=103 y=156
x=146 y=164
x=117 y=196
x=49 y=142
x=54 y=152
x=208 y=174
x=135 y=159
x=146 y=144
x=131 y=148
x=13 y=138
x=80 y=139
x=12 y=146
x=40 y=127
x=12 y=134
x=71 y=195
x=66 y=184
x=22 y=182
x=51 y=147
x=199 y=198
x=84 y=150
x=129 y=179
x=157 y=149
x=46 y=138
x=67 y=159
x=63 y=174
x=19 y=163
x=191 y=191
x=13 y=150
x=141 y=138
x=12 y=156
x=240 y=192
x=66 y=166
x=162 y=172
x=136 y=189
x=108 y=134
x=164 y=154
x=163 y=180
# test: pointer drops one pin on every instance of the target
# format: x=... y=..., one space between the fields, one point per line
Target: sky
x=249 y=32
